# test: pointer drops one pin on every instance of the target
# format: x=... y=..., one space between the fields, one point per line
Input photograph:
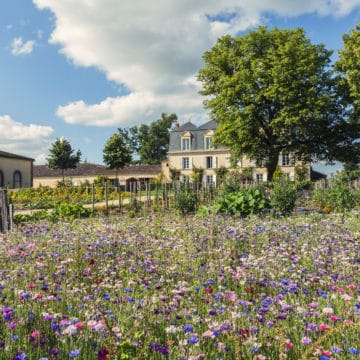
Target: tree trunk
x=272 y=164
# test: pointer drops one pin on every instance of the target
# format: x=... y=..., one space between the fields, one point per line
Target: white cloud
x=19 y=47
x=27 y=140
x=154 y=48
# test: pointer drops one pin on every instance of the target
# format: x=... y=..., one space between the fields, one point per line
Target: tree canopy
x=117 y=151
x=151 y=142
x=348 y=68
x=273 y=91
x=62 y=156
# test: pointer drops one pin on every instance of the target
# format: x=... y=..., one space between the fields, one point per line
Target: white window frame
x=208 y=142
x=185 y=164
x=259 y=177
x=185 y=143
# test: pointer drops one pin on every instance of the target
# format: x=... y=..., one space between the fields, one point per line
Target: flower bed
x=181 y=288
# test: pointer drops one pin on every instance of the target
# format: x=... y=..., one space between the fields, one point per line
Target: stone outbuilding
x=16 y=171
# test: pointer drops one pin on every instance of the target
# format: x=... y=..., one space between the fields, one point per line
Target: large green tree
x=348 y=68
x=151 y=142
x=273 y=91
x=62 y=156
x=117 y=152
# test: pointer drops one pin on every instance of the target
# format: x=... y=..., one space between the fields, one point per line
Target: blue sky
x=81 y=69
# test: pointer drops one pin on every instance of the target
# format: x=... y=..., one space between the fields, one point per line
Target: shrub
x=185 y=200
x=338 y=196
x=69 y=211
x=283 y=196
x=232 y=182
x=243 y=202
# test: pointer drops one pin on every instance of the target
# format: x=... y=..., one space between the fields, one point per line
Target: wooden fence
x=6 y=213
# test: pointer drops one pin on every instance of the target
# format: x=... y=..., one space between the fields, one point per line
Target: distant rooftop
x=89 y=169
x=14 y=156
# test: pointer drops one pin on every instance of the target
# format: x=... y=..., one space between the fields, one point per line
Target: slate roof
x=14 y=156
x=197 y=135
x=189 y=126
x=89 y=169
x=210 y=125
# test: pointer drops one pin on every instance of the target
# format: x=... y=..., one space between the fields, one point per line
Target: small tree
x=62 y=157
x=117 y=151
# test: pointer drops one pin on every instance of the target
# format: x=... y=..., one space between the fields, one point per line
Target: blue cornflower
x=193 y=340
x=131 y=299
x=188 y=328
x=74 y=353
x=353 y=350
x=106 y=296
x=336 y=350
x=216 y=333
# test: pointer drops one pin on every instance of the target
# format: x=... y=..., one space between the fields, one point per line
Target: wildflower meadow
x=168 y=287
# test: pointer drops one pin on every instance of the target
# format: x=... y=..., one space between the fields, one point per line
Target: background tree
x=117 y=152
x=151 y=142
x=62 y=156
x=272 y=91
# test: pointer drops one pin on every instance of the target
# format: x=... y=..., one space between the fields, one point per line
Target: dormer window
x=185 y=141
x=208 y=140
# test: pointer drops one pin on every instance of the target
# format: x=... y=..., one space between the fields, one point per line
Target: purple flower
x=7 y=313
x=306 y=341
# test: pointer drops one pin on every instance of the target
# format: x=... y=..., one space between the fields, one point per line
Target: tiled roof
x=14 y=156
x=88 y=169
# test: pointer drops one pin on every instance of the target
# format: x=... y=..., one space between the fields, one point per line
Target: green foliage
x=348 y=66
x=283 y=196
x=221 y=173
x=62 y=156
x=69 y=211
x=197 y=174
x=117 y=150
x=277 y=173
x=151 y=142
x=338 y=196
x=272 y=90
x=100 y=180
x=185 y=200
x=134 y=207
x=242 y=202
x=232 y=182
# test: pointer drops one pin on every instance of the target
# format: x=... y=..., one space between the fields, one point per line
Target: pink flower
x=327 y=353
x=324 y=327
x=70 y=330
x=35 y=333
x=79 y=324
x=231 y=296
x=289 y=345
